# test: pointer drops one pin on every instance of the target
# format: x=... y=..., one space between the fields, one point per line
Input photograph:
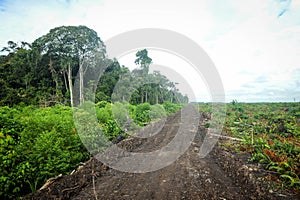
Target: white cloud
x=246 y=39
x=261 y=44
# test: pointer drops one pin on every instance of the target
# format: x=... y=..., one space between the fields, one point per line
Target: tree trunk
x=70 y=84
x=81 y=98
x=146 y=96
x=65 y=80
x=142 y=98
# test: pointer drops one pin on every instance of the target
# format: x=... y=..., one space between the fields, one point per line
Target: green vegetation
x=271 y=133
x=36 y=144
x=38 y=138
x=39 y=143
x=43 y=73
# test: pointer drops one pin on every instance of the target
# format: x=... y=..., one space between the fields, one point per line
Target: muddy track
x=222 y=174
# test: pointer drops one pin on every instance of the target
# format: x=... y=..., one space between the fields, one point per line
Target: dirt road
x=223 y=174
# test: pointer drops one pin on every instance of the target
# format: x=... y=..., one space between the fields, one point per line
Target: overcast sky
x=255 y=44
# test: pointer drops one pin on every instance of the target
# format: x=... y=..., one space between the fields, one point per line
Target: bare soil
x=222 y=174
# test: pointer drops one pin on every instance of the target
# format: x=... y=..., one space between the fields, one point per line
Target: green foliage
x=43 y=73
x=205 y=108
x=101 y=104
x=120 y=113
x=104 y=113
x=157 y=111
x=108 y=81
x=142 y=114
x=111 y=128
x=36 y=144
x=271 y=133
x=40 y=143
x=291 y=180
x=143 y=60
x=90 y=131
x=171 y=107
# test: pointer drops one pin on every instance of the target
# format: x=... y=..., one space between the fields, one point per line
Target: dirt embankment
x=222 y=174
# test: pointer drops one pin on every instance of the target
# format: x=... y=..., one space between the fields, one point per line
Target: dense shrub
x=36 y=144
x=157 y=111
x=104 y=113
x=171 y=107
x=142 y=114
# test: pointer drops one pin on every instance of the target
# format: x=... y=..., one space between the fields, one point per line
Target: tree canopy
x=44 y=72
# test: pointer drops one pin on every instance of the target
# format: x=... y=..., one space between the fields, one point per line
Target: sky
x=254 y=44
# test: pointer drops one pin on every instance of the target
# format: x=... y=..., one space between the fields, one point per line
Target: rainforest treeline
x=53 y=70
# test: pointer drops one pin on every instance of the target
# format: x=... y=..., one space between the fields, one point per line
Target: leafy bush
x=9 y=122
x=120 y=113
x=36 y=144
x=157 y=111
x=90 y=131
x=171 y=107
x=142 y=114
x=101 y=104
x=45 y=144
x=104 y=113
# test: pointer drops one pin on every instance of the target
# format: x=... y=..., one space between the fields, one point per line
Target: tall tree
x=75 y=48
x=143 y=60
